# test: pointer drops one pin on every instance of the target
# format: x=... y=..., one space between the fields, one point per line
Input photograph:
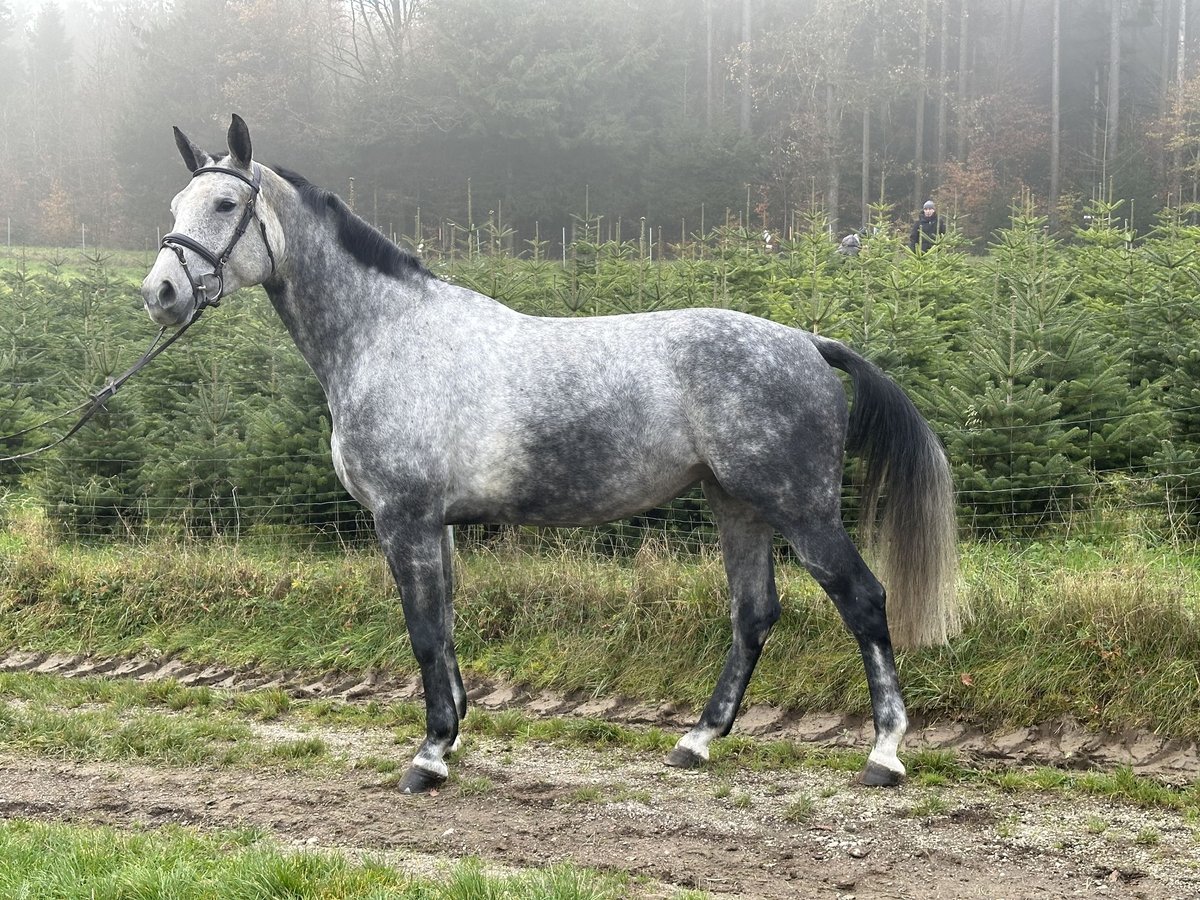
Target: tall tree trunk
x=1113 y=107
x=885 y=126
x=943 y=51
x=708 y=65
x=1180 y=76
x=746 y=33
x=1097 y=161
x=866 y=165
x=1055 y=59
x=919 y=126
x=832 y=170
x=960 y=149
x=1181 y=51
x=1165 y=37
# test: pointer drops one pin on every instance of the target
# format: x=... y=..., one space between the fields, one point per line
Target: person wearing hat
x=926 y=229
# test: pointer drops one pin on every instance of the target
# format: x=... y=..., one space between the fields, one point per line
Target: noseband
x=176 y=242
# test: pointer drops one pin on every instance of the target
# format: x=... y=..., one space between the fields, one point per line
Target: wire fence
x=1139 y=503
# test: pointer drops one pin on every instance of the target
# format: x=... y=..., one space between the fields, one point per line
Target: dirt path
x=799 y=833
x=613 y=812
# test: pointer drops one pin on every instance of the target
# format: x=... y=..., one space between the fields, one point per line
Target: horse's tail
x=916 y=541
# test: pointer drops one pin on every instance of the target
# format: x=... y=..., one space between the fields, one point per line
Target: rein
x=174 y=242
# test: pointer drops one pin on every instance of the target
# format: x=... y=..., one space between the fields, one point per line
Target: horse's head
x=223 y=235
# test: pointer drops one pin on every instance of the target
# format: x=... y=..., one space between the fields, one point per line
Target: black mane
x=365 y=242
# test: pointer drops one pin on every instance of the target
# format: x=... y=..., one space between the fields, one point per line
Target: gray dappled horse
x=450 y=408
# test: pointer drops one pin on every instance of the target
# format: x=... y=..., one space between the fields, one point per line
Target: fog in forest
x=535 y=116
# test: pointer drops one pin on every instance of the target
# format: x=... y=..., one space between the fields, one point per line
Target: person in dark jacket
x=926 y=229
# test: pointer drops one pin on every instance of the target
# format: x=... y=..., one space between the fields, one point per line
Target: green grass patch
x=71 y=862
x=800 y=810
x=157 y=722
x=928 y=807
x=587 y=794
x=304 y=748
x=475 y=787
x=151 y=737
x=1147 y=837
x=265 y=705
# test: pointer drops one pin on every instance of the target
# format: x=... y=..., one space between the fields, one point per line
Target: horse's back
x=602 y=417
x=707 y=372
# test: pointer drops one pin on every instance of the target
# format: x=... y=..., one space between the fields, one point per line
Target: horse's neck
x=332 y=306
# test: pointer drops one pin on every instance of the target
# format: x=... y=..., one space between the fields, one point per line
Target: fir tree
x=1019 y=463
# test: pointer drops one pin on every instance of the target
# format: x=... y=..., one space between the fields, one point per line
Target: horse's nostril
x=166 y=293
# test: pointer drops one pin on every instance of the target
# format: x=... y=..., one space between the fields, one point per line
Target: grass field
x=131 y=733
x=170 y=724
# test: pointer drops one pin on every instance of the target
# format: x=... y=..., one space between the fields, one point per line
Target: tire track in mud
x=1063 y=743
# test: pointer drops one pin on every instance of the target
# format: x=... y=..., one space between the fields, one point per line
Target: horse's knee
x=754 y=624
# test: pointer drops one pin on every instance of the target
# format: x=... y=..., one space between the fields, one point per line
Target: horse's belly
x=574 y=496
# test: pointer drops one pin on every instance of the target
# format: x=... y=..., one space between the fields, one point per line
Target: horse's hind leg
x=456 y=682
x=415 y=551
x=836 y=564
x=459 y=691
x=754 y=608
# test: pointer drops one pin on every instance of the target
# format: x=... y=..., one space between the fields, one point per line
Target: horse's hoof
x=875 y=775
x=419 y=781
x=683 y=758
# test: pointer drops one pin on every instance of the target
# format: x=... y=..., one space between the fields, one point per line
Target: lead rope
x=96 y=402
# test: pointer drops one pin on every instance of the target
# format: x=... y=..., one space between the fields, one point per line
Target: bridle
x=175 y=242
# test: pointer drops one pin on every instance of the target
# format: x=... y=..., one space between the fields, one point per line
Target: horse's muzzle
x=166 y=296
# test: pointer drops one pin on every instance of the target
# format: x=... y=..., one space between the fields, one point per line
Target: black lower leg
x=861 y=601
x=460 y=692
x=746 y=550
x=414 y=553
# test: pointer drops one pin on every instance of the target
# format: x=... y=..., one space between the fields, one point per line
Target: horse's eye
x=226 y=206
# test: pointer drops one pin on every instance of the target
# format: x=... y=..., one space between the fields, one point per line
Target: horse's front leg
x=415 y=550
x=456 y=682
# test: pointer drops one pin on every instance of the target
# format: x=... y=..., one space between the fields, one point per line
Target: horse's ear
x=239 y=141
x=193 y=156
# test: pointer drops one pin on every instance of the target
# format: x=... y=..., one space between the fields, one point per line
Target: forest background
x=674 y=115
x=575 y=159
